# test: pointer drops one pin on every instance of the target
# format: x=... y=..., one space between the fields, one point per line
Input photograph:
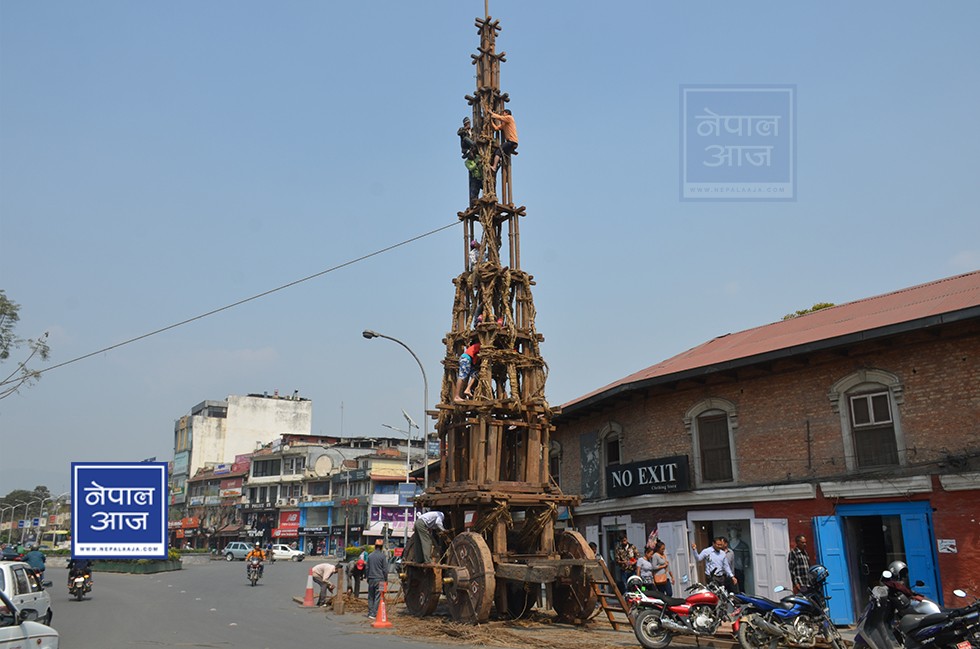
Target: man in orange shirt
x=505 y=122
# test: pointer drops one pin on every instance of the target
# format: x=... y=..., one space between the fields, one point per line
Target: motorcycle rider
x=78 y=567
x=257 y=553
x=35 y=558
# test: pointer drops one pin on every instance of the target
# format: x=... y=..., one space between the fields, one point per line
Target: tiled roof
x=922 y=305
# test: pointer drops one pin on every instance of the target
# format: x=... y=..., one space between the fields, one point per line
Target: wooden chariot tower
x=494 y=485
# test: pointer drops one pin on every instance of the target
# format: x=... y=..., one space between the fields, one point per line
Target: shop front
x=314 y=515
x=184 y=533
x=314 y=539
x=288 y=529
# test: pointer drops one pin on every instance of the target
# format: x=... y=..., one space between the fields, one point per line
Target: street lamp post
x=367 y=333
x=27 y=506
x=408 y=468
x=408 y=456
x=11 y=530
x=57 y=501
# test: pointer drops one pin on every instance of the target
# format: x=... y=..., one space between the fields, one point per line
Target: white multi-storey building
x=215 y=432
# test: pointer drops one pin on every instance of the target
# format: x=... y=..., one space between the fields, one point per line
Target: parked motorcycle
x=658 y=618
x=796 y=620
x=254 y=570
x=892 y=620
x=80 y=584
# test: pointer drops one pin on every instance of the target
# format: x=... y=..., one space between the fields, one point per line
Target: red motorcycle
x=658 y=618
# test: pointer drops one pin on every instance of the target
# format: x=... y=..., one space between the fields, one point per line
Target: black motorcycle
x=882 y=626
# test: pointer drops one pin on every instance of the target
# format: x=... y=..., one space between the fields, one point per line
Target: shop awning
x=229 y=530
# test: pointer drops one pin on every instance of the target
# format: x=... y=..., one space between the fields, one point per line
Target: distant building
x=215 y=432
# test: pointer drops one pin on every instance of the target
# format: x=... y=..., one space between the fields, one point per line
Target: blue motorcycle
x=796 y=620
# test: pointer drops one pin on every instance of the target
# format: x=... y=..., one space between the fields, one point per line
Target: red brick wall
x=941 y=411
x=940 y=416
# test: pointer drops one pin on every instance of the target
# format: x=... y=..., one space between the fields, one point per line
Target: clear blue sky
x=159 y=160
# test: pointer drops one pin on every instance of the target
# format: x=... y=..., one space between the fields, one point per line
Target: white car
x=284 y=552
x=17 y=629
x=19 y=582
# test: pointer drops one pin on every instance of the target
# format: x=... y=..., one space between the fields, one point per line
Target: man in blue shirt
x=716 y=565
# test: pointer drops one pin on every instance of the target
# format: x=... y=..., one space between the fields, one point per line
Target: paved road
x=209 y=605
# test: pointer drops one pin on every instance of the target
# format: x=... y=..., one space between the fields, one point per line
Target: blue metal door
x=830 y=543
x=919 y=553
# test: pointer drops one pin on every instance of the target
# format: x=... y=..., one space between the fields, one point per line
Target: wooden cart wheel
x=421 y=585
x=472 y=582
x=574 y=599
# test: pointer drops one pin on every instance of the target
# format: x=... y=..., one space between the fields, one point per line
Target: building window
x=716 y=452
x=867 y=402
x=293 y=465
x=610 y=450
x=712 y=424
x=319 y=488
x=264 y=468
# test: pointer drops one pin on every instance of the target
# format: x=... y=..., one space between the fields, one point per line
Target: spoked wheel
x=473 y=582
x=574 y=598
x=751 y=636
x=420 y=585
x=649 y=631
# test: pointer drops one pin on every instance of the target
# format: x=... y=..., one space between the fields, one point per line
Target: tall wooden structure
x=494 y=485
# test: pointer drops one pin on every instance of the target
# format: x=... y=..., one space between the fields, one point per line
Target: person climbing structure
x=475 y=170
x=466 y=144
x=467 y=371
x=505 y=122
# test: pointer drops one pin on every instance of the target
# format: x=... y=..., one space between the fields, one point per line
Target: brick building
x=856 y=425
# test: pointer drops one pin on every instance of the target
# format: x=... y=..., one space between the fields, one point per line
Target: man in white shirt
x=322 y=572
x=424 y=524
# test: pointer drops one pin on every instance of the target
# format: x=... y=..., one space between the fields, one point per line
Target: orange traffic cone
x=308 y=597
x=382 y=621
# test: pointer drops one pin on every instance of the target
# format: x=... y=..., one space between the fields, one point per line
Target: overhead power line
x=248 y=299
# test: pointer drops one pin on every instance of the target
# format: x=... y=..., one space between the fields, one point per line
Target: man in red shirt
x=467 y=371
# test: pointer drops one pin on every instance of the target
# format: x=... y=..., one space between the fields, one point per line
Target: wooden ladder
x=611 y=600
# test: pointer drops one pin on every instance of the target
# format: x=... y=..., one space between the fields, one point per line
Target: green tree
x=36 y=349
x=815 y=307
